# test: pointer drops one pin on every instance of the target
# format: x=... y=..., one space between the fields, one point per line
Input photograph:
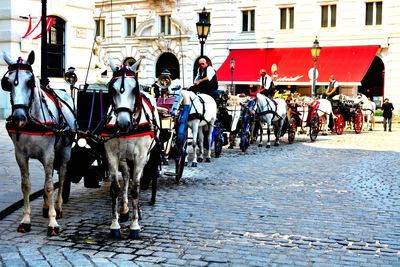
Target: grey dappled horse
x=272 y=112
x=134 y=125
x=200 y=112
x=42 y=127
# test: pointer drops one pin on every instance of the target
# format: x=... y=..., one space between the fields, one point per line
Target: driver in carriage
x=333 y=88
x=206 y=81
x=267 y=86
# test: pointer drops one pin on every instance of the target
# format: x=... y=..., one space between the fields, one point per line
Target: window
x=130 y=26
x=373 y=13
x=328 y=16
x=165 y=24
x=287 y=18
x=248 y=20
x=55 y=48
x=100 y=27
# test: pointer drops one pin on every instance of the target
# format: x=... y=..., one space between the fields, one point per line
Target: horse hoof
x=200 y=160
x=324 y=134
x=230 y=147
x=59 y=214
x=259 y=145
x=24 y=228
x=152 y=202
x=45 y=213
x=208 y=160
x=134 y=234
x=268 y=146
x=124 y=217
x=194 y=164
x=115 y=233
x=53 y=231
x=185 y=164
x=276 y=144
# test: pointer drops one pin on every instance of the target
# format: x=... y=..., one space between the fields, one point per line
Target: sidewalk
x=10 y=189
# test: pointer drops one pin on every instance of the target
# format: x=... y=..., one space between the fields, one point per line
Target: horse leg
x=278 y=132
x=25 y=224
x=136 y=171
x=268 y=134
x=115 y=189
x=200 y=144
x=209 y=137
x=195 y=130
x=65 y=156
x=53 y=228
x=260 y=144
x=124 y=209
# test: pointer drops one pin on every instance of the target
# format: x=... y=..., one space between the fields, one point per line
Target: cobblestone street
x=332 y=202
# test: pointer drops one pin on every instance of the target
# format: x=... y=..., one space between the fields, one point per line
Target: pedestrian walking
x=387 y=114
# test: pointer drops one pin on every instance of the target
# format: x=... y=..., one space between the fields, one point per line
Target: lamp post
x=232 y=70
x=203 y=28
x=315 y=51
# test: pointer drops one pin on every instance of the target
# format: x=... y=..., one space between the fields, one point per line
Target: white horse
x=368 y=111
x=323 y=108
x=42 y=127
x=200 y=113
x=272 y=112
x=132 y=132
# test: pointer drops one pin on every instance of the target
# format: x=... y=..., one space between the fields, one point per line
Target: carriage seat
x=164 y=106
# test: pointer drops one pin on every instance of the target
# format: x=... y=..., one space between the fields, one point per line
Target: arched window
x=56 y=48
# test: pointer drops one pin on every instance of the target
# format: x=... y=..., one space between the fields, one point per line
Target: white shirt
x=266 y=80
x=210 y=73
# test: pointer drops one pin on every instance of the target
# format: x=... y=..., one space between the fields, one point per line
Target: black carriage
x=347 y=112
x=88 y=160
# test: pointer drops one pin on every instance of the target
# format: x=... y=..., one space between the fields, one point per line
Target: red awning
x=348 y=63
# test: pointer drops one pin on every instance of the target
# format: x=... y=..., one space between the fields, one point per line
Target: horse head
x=125 y=95
x=20 y=82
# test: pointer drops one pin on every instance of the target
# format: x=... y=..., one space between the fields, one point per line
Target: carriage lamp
x=232 y=71
x=81 y=142
x=70 y=76
x=203 y=28
x=315 y=51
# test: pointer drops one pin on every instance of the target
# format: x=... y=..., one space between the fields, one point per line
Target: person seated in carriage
x=206 y=81
x=333 y=88
x=267 y=86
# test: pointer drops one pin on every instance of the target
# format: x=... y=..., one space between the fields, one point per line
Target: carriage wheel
x=358 y=121
x=314 y=127
x=339 y=124
x=180 y=163
x=218 y=140
x=66 y=190
x=292 y=130
x=245 y=136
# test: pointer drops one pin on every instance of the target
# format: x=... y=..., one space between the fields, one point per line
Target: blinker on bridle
x=122 y=72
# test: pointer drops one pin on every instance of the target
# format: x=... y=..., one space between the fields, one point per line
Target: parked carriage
x=302 y=114
x=347 y=111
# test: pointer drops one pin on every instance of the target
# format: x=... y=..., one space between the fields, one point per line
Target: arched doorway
x=170 y=62
x=372 y=83
x=56 y=48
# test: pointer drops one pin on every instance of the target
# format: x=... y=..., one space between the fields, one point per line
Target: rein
x=269 y=111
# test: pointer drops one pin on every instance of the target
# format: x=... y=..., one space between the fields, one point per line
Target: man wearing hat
x=267 y=86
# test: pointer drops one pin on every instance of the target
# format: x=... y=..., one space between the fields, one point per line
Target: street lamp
x=315 y=51
x=203 y=28
x=232 y=70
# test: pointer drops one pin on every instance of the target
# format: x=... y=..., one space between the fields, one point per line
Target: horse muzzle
x=19 y=118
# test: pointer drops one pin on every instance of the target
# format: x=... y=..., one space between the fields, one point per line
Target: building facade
x=360 y=41
x=70 y=38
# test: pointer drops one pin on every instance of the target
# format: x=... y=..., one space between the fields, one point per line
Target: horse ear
x=112 y=64
x=7 y=58
x=31 y=57
x=135 y=67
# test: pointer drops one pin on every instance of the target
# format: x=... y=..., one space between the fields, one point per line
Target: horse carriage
x=347 y=111
x=303 y=112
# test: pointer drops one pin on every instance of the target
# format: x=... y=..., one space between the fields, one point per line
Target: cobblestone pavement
x=333 y=202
